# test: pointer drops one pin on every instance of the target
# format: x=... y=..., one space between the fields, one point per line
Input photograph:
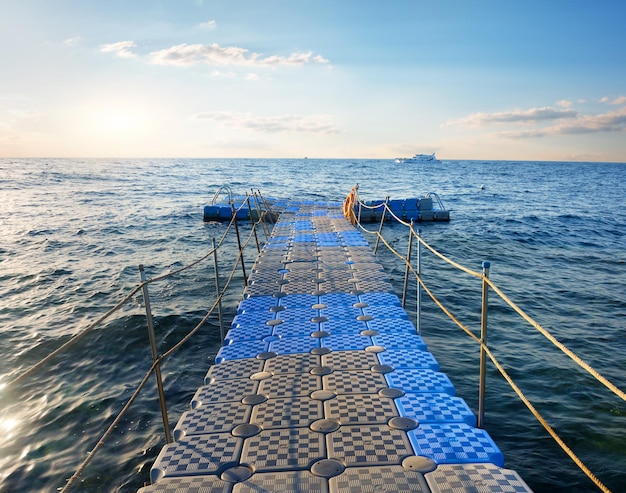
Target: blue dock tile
x=294 y=329
x=392 y=326
x=419 y=381
x=247 y=333
x=241 y=350
x=435 y=408
x=454 y=443
x=341 y=312
x=380 y=298
x=346 y=342
x=344 y=326
x=257 y=303
x=400 y=340
x=339 y=299
x=256 y=319
x=293 y=345
x=299 y=314
x=378 y=311
x=298 y=300
x=408 y=358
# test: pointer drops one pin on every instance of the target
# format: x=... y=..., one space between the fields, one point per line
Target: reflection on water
x=76 y=231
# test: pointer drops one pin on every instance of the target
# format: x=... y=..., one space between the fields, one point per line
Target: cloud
x=121 y=49
x=72 y=41
x=214 y=54
x=547 y=121
x=208 y=25
x=613 y=121
x=317 y=124
x=532 y=115
x=185 y=55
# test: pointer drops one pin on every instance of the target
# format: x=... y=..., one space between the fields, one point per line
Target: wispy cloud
x=317 y=124
x=72 y=41
x=613 y=121
x=546 y=121
x=618 y=101
x=214 y=54
x=532 y=115
x=210 y=25
x=185 y=55
x=121 y=49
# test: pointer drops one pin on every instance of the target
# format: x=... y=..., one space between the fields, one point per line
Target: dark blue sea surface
x=74 y=232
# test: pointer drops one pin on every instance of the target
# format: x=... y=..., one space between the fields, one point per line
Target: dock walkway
x=324 y=385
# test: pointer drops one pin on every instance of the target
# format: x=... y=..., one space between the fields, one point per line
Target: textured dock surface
x=324 y=385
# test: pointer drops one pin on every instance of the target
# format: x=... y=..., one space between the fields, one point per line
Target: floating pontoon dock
x=324 y=385
x=427 y=208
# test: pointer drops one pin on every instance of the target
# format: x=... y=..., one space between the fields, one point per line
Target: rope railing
x=379 y=237
x=484 y=347
x=100 y=320
x=162 y=357
x=169 y=352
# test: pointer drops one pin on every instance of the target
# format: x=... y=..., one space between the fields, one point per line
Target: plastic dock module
x=324 y=385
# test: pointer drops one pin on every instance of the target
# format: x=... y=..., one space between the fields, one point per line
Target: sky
x=501 y=79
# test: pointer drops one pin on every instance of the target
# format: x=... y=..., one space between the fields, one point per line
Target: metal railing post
x=243 y=264
x=254 y=223
x=155 y=355
x=418 y=308
x=261 y=213
x=483 y=340
x=217 y=291
x=380 y=226
x=408 y=265
x=268 y=209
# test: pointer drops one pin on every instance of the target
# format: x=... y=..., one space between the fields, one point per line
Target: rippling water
x=74 y=232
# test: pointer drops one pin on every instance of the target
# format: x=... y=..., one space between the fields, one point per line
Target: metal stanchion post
x=155 y=355
x=483 y=340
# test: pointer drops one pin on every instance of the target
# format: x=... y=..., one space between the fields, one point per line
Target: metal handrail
x=218 y=193
x=436 y=199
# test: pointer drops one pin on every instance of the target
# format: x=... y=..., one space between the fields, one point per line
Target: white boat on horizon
x=419 y=158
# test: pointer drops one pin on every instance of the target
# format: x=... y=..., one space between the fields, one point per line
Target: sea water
x=74 y=232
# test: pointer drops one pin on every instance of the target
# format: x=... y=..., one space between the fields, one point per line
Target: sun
x=119 y=120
